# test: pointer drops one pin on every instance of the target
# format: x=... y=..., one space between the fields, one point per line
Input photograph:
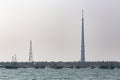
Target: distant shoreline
x=60 y=65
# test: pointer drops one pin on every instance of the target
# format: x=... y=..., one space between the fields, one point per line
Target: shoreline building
x=30 y=52
x=82 y=41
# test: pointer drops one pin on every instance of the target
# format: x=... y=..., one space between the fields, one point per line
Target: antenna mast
x=30 y=52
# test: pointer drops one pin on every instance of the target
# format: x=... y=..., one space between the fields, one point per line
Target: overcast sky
x=54 y=26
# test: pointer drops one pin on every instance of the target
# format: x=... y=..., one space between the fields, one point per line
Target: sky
x=54 y=26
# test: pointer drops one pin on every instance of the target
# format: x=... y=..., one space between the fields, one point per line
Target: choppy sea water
x=59 y=74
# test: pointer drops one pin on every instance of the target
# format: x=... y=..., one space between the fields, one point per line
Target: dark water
x=59 y=74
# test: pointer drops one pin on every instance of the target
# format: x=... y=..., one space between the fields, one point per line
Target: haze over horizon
x=54 y=26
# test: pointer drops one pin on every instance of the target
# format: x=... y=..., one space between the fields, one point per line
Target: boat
x=11 y=67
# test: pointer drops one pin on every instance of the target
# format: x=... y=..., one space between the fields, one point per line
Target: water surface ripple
x=59 y=74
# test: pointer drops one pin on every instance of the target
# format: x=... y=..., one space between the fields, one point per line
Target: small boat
x=11 y=67
x=36 y=67
x=58 y=67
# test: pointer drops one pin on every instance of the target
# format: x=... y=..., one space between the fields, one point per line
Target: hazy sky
x=54 y=26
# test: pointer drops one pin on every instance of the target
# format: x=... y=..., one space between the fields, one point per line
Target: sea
x=59 y=74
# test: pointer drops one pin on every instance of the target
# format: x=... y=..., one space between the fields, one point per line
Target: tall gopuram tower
x=82 y=41
x=30 y=52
